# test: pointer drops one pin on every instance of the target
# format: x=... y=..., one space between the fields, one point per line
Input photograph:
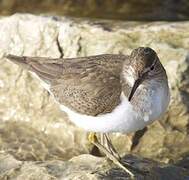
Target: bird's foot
x=116 y=160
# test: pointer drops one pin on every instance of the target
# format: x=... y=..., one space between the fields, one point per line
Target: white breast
x=160 y=101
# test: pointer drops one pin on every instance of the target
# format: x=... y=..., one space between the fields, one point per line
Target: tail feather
x=19 y=60
x=44 y=70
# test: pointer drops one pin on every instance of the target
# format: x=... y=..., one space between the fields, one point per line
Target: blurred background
x=173 y=10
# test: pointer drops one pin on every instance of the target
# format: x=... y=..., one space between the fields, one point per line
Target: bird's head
x=144 y=67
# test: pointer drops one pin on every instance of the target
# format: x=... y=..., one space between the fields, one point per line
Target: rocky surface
x=112 y=9
x=87 y=167
x=32 y=126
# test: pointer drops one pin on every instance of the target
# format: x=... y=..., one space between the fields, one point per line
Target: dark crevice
x=103 y=25
x=60 y=49
x=95 y=152
x=79 y=45
x=136 y=138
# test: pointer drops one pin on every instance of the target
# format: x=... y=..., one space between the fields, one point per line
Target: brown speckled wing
x=88 y=85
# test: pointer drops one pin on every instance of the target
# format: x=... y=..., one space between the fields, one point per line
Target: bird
x=105 y=93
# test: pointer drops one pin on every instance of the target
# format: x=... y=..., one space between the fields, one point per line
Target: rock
x=86 y=167
x=112 y=9
x=32 y=126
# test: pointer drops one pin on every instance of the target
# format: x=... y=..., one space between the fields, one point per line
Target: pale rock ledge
x=32 y=126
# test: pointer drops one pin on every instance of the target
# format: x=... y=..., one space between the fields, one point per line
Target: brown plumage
x=88 y=85
x=93 y=85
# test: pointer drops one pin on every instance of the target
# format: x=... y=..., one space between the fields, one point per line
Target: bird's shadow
x=147 y=169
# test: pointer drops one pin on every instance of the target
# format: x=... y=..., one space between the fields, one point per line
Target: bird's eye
x=152 y=68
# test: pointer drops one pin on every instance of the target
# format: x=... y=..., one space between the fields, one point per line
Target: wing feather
x=88 y=85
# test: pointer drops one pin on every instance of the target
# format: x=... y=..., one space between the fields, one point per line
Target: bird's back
x=87 y=85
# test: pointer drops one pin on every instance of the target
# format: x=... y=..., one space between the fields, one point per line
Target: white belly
x=122 y=119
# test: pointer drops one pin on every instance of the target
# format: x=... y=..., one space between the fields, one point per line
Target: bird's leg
x=106 y=142
x=93 y=139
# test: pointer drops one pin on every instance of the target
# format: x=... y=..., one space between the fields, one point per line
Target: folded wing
x=88 y=85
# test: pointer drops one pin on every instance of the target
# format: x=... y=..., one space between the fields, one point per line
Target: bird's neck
x=150 y=99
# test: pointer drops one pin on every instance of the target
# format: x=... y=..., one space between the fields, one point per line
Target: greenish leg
x=109 y=145
x=94 y=140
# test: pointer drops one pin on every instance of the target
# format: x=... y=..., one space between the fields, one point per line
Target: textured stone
x=32 y=126
x=86 y=167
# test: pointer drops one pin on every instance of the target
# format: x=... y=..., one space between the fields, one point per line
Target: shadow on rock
x=150 y=170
